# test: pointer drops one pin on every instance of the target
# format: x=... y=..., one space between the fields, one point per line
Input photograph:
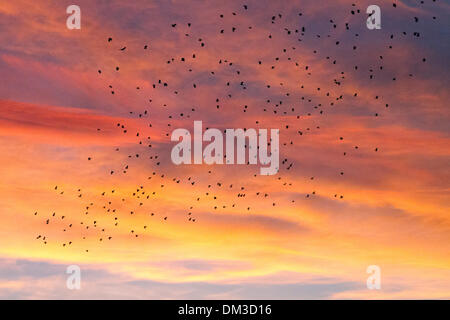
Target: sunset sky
x=325 y=219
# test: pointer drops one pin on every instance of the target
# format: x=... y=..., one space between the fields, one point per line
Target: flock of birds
x=144 y=195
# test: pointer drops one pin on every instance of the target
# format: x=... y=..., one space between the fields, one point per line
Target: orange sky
x=301 y=241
